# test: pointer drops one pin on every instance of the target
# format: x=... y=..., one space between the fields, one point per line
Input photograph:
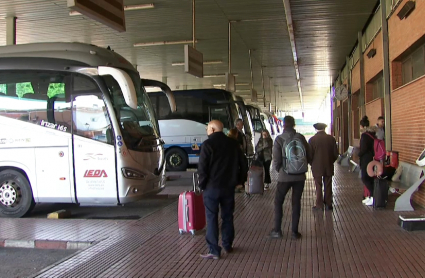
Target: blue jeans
x=225 y=199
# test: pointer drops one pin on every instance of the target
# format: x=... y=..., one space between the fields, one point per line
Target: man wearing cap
x=324 y=154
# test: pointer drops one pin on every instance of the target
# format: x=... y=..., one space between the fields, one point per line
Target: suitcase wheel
x=247 y=194
x=192 y=233
x=181 y=232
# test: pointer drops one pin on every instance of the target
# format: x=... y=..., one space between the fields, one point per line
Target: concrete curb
x=45 y=244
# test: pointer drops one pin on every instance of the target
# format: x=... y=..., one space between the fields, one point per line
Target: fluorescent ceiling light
x=217 y=75
x=237 y=84
x=126 y=8
x=205 y=63
x=163 y=43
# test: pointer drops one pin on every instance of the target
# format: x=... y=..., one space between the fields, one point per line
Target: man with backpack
x=291 y=155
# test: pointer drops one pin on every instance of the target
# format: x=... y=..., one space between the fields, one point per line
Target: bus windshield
x=135 y=124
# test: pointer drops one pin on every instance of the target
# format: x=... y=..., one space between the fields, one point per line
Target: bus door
x=53 y=157
x=94 y=151
x=221 y=112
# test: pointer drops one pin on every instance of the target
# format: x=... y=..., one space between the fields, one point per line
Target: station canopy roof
x=325 y=32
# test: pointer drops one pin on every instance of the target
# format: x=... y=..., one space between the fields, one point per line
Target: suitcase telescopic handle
x=196 y=188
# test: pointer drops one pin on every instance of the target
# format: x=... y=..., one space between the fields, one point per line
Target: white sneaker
x=365 y=200
x=370 y=202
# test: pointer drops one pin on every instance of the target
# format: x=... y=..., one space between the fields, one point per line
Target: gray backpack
x=294 y=154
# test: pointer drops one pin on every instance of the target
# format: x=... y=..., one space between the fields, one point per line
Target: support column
x=349 y=127
x=11 y=30
x=386 y=77
x=362 y=96
x=164 y=79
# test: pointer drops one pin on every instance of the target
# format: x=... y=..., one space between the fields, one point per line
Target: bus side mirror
x=124 y=81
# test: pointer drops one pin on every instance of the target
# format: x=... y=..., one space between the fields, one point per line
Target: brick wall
x=403 y=33
x=407 y=102
x=355 y=78
x=369 y=92
x=374 y=109
x=408 y=112
x=373 y=66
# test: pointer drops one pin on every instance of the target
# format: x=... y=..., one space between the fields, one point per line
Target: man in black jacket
x=221 y=167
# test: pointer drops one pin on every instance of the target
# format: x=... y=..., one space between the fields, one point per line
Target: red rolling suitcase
x=191 y=210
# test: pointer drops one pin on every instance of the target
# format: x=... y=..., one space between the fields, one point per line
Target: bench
x=345 y=158
x=411 y=179
x=355 y=161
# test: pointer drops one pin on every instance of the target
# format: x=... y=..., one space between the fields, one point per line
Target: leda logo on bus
x=95 y=174
x=53 y=126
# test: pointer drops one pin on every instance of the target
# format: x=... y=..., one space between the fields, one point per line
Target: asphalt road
x=23 y=262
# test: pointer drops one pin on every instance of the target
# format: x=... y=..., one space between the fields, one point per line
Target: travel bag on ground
x=380 y=193
x=191 y=210
x=255 y=184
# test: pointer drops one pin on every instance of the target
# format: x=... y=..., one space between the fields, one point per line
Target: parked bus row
x=77 y=126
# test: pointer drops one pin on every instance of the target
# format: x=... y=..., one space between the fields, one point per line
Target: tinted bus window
x=35 y=97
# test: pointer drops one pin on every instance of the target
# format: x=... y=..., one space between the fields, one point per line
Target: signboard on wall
x=110 y=13
x=193 y=61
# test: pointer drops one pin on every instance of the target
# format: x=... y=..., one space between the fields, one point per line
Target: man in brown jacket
x=324 y=153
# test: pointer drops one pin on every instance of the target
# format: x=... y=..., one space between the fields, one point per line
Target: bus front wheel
x=176 y=159
x=16 y=198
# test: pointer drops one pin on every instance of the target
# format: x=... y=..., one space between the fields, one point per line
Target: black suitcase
x=380 y=193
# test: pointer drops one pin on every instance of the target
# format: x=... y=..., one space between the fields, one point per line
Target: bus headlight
x=132 y=174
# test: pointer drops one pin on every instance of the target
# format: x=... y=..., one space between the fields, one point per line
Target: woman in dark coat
x=366 y=155
x=264 y=149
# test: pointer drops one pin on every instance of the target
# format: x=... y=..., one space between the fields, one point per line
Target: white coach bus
x=76 y=126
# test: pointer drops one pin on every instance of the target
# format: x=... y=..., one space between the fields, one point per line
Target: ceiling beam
x=290 y=25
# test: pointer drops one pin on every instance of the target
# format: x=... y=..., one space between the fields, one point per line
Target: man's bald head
x=215 y=126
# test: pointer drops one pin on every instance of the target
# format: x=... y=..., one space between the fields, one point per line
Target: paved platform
x=352 y=241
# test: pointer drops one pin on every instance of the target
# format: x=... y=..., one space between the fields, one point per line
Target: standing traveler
x=233 y=133
x=324 y=153
x=241 y=136
x=366 y=154
x=380 y=132
x=264 y=150
x=221 y=167
x=291 y=155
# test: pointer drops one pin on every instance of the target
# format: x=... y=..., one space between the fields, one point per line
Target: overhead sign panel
x=254 y=95
x=108 y=12
x=230 y=82
x=193 y=61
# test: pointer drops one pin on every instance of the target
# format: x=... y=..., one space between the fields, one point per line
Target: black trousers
x=215 y=198
x=267 y=178
x=281 y=191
